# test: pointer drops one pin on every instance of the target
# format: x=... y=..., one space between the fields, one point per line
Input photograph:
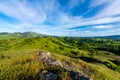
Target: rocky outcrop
x=77 y=76
x=68 y=66
x=47 y=75
x=55 y=62
x=45 y=57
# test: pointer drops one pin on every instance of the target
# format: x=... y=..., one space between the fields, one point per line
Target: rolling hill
x=5 y=35
x=29 y=56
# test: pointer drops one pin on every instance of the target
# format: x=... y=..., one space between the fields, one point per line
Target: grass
x=96 y=71
x=25 y=65
x=18 y=60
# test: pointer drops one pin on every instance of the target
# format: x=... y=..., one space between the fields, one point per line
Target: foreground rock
x=47 y=75
x=77 y=76
x=43 y=55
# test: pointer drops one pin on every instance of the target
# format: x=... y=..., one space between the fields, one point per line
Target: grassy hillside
x=5 y=35
x=97 y=58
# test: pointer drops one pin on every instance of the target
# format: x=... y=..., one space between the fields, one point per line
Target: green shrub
x=110 y=65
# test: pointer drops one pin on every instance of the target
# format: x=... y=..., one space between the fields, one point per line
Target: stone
x=51 y=61
x=48 y=54
x=74 y=75
x=68 y=65
x=57 y=63
x=48 y=75
x=43 y=55
x=77 y=76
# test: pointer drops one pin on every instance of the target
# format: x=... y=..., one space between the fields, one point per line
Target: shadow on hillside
x=89 y=59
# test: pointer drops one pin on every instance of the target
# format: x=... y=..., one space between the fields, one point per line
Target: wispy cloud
x=103 y=27
x=112 y=9
x=55 y=17
x=21 y=11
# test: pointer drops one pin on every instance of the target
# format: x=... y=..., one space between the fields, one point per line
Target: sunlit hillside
x=96 y=58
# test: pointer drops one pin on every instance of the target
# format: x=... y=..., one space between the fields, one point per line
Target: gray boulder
x=43 y=55
x=46 y=75
x=77 y=76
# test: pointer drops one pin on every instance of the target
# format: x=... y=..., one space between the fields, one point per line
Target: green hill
x=92 y=57
x=5 y=35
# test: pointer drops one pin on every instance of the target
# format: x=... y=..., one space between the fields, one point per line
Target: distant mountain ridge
x=6 y=35
x=109 y=37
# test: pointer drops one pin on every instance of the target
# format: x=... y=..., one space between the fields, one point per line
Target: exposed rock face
x=68 y=66
x=43 y=55
x=47 y=75
x=48 y=53
x=77 y=76
x=56 y=62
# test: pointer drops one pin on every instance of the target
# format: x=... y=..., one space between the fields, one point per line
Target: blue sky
x=61 y=17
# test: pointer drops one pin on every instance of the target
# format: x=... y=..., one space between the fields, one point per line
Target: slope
x=18 y=58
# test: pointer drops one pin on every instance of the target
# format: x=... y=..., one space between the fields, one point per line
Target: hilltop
x=6 y=35
x=70 y=57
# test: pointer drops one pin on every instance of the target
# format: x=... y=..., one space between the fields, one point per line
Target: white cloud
x=74 y=3
x=21 y=11
x=112 y=9
x=97 y=2
x=32 y=16
x=103 y=27
x=91 y=21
